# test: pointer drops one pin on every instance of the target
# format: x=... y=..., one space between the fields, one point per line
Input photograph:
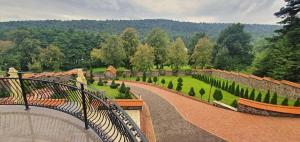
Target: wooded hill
x=174 y=28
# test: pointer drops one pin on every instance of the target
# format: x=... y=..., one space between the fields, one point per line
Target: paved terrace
x=41 y=125
x=229 y=125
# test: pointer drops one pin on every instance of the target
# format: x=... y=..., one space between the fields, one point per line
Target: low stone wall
x=283 y=87
x=257 y=108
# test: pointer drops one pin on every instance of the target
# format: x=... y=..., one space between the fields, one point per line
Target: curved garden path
x=229 y=125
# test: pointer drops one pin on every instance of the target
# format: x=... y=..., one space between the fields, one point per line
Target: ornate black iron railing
x=107 y=119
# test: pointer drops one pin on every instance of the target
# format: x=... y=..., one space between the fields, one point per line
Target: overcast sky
x=244 y=11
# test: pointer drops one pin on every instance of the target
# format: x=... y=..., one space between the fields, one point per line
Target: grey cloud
x=245 y=11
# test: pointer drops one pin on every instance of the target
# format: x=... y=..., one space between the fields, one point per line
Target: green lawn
x=111 y=93
x=189 y=82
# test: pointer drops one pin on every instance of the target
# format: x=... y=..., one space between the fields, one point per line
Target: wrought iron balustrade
x=108 y=120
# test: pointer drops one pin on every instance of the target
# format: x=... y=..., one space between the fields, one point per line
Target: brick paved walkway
x=230 y=125
x=169 y=126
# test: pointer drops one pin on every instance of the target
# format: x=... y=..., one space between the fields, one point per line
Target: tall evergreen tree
x=274 y=99
x=267 y=97
x=258 y=98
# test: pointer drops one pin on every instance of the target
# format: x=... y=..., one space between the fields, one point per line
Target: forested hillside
x=173 y=28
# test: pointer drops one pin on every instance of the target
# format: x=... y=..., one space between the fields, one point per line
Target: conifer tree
x=192 y=92
x=242 y=94
x=274 y=99
x=285 y=102
x=170 y=85
x=237 y=91
x=258 y=98
x=297 y=102
x=267 y=97
x=252 y=95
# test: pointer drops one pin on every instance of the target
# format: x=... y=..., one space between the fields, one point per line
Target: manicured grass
x=189 y=82
x=111 y=93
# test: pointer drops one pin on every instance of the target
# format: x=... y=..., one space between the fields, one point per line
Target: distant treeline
x=173 y=28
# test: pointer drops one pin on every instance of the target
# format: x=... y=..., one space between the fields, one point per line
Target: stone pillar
x=80 y=78
x=15 y=86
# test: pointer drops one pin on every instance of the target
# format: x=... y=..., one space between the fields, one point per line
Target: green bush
x=297 y=102
x=218 y=95
x=285 y=102
x=192 y=92
x=100 y=83
x=234 y=104
x=202 y=92
x=170 y=85
x=232 y=88
x=252 y=95
x=149 y=80
x=179 y=86
x=246 y=95
x=125 y=95
x=122 y=88
x=163 y=82
x=144 y=77
x=274 y=99
x=258 y=98
x=237 y=90
x=137 y=78
x=267 y=97
x=113 y=85
x=242 y=94
x=155 y=79
x=180 y=80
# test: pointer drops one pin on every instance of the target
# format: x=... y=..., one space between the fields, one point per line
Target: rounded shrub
x=192 y=92
x=163 y=82
x=149 y=80
x=202 y=92
x=100 y=82
x=155 y=79
x=137 y=78
x=218 y=95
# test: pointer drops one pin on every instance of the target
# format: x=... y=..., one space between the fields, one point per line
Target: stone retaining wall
x=256 y=111
x=258 y=108
x=283 y=87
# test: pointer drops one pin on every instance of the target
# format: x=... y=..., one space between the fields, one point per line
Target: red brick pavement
x=230 y=125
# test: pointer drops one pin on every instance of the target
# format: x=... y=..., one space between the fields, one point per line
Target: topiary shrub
x=163 y=82
x=242 y=94
x=144 y=77
x=155 y=79
x=100 y=82
x=247 y=93
x=258 y=98
x=202 y=92
x=149 y=80
x=232 y=88
x=234 y=104
x=274 y=99
x=252 y=95
x=297 y=102
x=192 y=92
x=218 y=95
x=170 y=85
x=125 y=95
x=180 y=80
x=237 y=90
x=179 y=86
x=285 y=102
x=137 y=78
x=267 y=97
x=122 y=88
x=113 y=85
